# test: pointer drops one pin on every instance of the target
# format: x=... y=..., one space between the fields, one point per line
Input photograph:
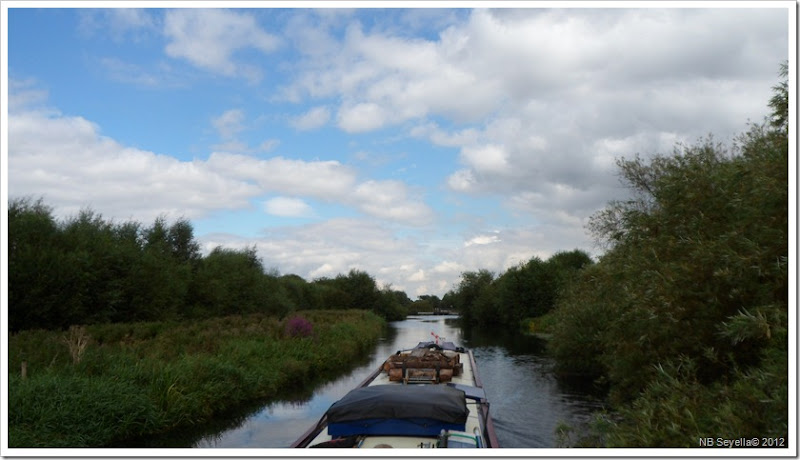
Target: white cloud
x=390 y=200
x=320 y=179
x=532 y=102
x=462 y=180
x=68 y=162
x=209 y=38
x=323 y=271
x=490 y=158
x=449 y=267
x=330 y=247
x=269 y=145
x=24 y=94
x=288 y=207
x=120 y=23
x=313 y=119
x=438 y=136
x=418 y=276
x=482 y=240
x=361 y=117
x=229 y=124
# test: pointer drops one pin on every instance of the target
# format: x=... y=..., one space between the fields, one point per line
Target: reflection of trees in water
x=210 y=432
x=389 y=334
x=514 y=342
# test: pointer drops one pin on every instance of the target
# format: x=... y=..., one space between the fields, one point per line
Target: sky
x=412 y=143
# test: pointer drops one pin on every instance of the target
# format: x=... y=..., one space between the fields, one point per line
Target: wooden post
x=24 y=370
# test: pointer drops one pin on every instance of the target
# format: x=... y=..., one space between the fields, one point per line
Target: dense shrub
x=685 y=315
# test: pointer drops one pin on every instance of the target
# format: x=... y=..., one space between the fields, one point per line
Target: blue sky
x=412 y=143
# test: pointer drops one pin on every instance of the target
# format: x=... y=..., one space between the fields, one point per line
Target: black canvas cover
x=437 y=402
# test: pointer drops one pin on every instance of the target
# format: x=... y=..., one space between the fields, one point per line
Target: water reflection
x=527 y=402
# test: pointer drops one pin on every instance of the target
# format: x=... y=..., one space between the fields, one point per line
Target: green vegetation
x=685 y=315
x=98 y=385
x=86 y=270
x=684 y=318
x=523 y=292
x=541 y=325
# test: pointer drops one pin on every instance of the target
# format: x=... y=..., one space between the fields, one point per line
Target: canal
x=527 y=402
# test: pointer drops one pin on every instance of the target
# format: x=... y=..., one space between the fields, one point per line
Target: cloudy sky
x=413 y=143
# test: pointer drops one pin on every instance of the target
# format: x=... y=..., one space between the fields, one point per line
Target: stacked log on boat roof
x=423 y=364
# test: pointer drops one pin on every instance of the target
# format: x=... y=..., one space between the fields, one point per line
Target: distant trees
x=358 y=290
x=426 y=303
x=86 y=270
x=528 y=290
x=685 y=316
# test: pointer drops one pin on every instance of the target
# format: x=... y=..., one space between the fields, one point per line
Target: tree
x=180 y=238
x=689 y=304
x=779 y=119
x=468 y=291
x=229 y=281
x=388 y=305
x=38 y=275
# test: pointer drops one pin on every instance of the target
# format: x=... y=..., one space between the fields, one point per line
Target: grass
x=138 y=379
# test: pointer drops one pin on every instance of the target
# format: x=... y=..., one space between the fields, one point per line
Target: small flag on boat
x=437 y=337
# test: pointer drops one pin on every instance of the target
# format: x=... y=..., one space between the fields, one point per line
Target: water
x=527 y=401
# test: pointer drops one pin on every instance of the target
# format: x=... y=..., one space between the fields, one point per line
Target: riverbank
x=103 y=384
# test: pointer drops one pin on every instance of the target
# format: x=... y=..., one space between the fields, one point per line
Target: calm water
x=527 y=402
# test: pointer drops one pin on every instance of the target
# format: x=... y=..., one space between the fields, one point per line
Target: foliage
x=528 y=290
x=780 y=101
x=140 y=379
x=685 y=315
x=426 y=303
x=466 y=294
x=358 y=290
x=86 y=270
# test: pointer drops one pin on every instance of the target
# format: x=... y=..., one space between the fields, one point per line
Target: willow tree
x=685 y=316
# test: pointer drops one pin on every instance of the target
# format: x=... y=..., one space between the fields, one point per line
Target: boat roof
x=437 y=402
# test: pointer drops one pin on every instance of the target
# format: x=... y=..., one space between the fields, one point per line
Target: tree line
x=87 y=270
x=528 y=290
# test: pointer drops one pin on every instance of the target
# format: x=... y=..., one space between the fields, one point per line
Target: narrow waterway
x=527 y=402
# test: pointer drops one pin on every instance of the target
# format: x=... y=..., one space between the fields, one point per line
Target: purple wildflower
x=299 y=327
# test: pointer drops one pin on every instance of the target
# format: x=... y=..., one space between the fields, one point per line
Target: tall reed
x=138 y=379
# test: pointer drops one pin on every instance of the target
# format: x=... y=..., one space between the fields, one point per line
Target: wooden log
x=395 y=374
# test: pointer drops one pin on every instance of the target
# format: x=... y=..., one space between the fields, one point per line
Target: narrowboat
x=429 y=396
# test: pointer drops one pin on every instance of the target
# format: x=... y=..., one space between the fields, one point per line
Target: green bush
x=685 y=315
